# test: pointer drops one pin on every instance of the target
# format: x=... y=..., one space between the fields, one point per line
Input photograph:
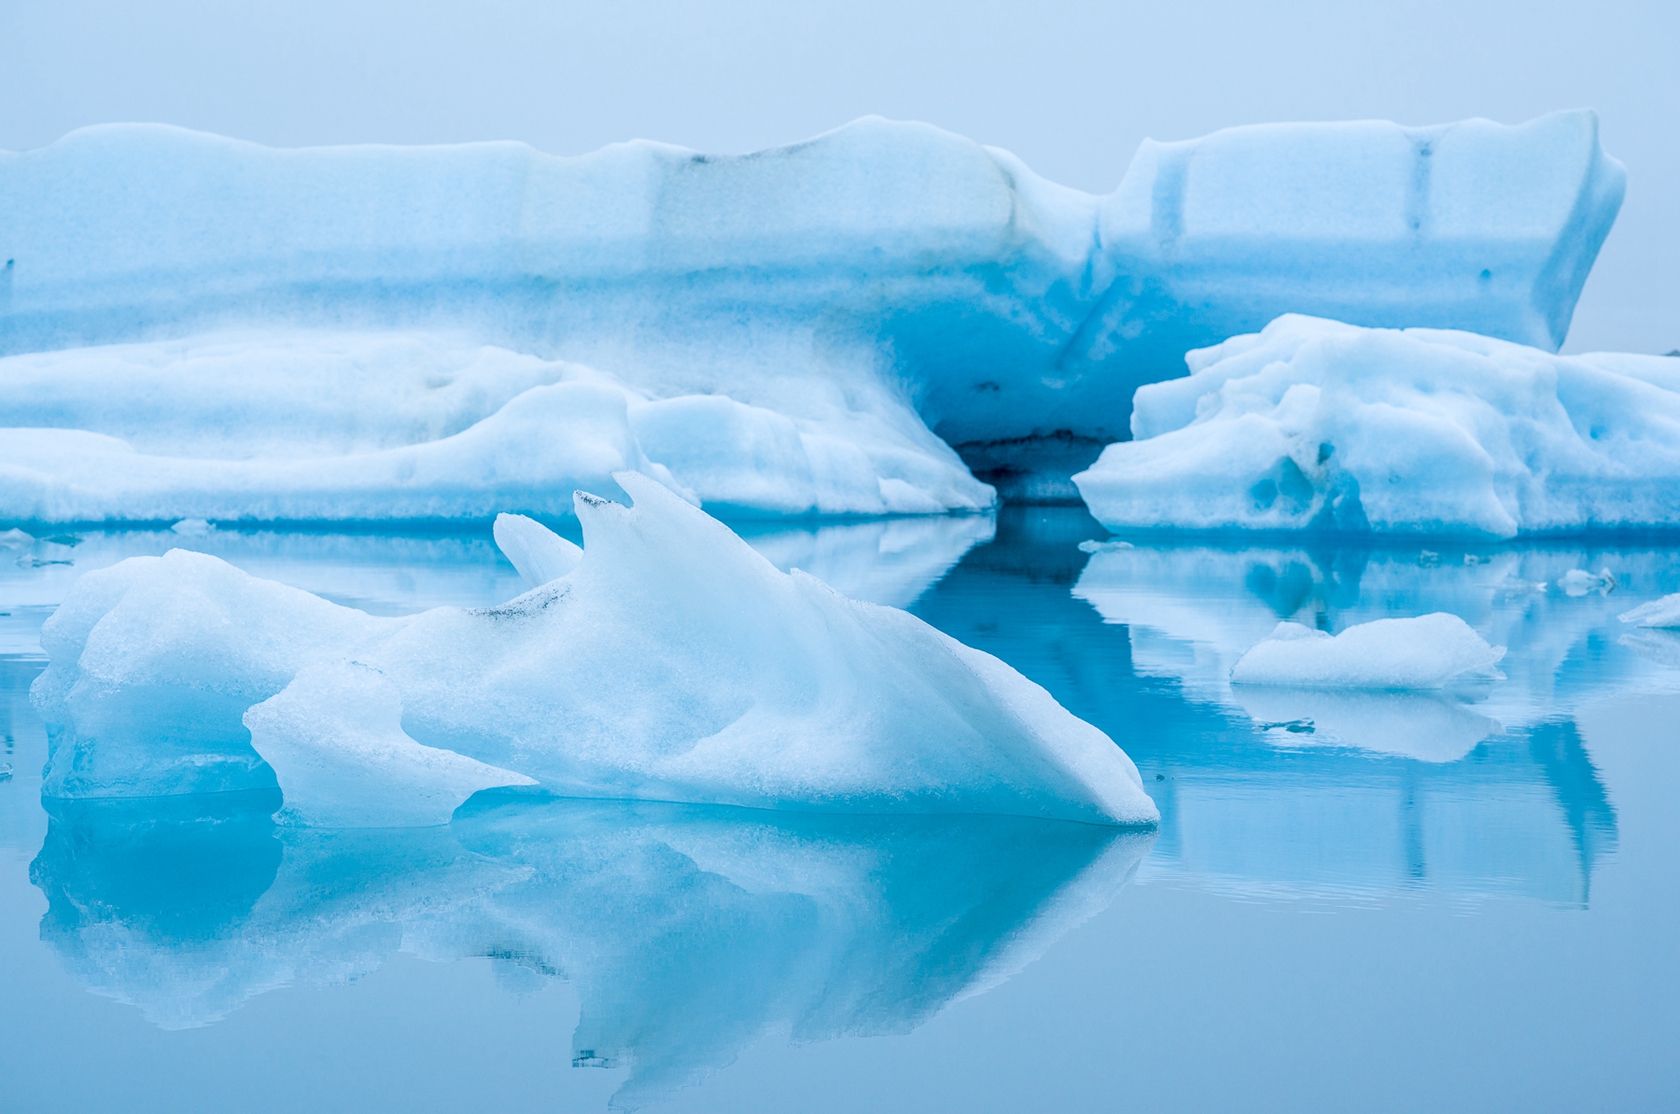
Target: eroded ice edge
x=198 y=328
x=672 y=663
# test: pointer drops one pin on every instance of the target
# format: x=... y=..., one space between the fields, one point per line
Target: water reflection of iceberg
x=1280 y=792
x=1428 y=727
x=1193 y=610
x=686 y=931
x=1510 y=802
x=1523 y=814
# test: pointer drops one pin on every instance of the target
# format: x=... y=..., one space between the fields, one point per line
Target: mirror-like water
x=1459 y=901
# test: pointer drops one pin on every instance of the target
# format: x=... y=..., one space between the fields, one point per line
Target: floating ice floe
x=1657 y=613
x=380 y=331
x=671 y=663
x=1578 y=582
x=1425 y=652
x=1316 y=425
x=1658 y=639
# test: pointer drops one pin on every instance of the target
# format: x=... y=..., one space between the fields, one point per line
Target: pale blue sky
x=1069 y=86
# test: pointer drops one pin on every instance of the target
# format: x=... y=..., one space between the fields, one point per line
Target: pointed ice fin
x=537 y=552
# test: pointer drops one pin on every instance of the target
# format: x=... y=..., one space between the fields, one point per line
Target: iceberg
x=672 y=663
x=806 y=329
x=1315 y=425
x=1425 y=652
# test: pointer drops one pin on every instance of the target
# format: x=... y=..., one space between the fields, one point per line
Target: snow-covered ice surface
x=1316 y=425
x=673 y=663
x=199 y=327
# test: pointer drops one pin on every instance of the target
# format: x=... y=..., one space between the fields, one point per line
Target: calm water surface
x=1377 y=902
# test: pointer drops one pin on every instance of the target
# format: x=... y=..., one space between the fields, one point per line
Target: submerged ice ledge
x=841 y=310
x=672 y=663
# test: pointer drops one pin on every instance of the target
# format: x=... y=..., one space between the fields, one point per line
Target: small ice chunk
x=16 y=539
x=1663 y=613
x=1426 y=652
x=335 y=740
x=537 y=552
x=191 y=527
x=1578 y=582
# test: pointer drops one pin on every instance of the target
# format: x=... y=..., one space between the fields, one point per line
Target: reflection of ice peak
x=1556 y=747
x=686 y=931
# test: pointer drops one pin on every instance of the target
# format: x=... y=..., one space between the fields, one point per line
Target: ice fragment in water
x=1578 y=582
x=1426 y=652
x=1657 y=613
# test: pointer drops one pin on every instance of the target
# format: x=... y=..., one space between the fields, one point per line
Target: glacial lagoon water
x=1454 y=902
